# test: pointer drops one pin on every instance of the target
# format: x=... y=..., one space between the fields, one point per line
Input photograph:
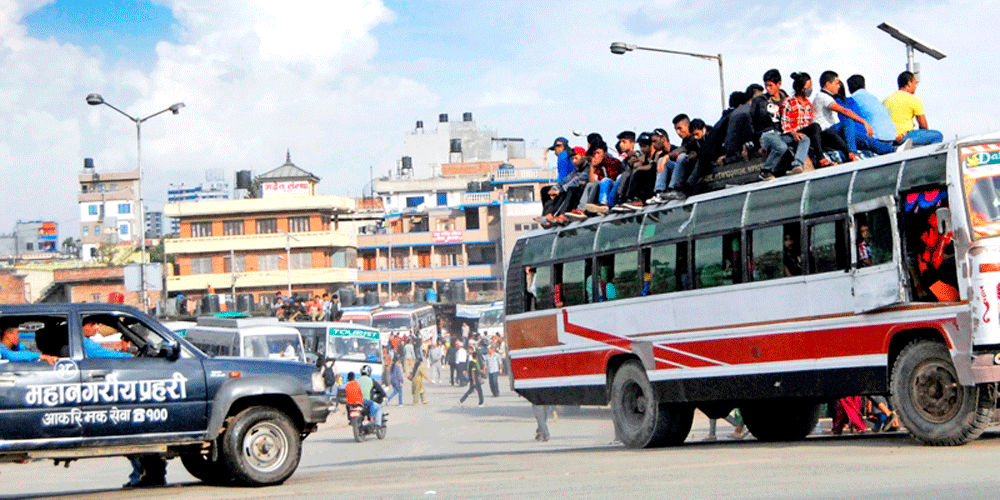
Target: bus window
x=543 y=287
x=827 y=247
x=626 y=276
x=717 y=261
x=666 y=266
x=573 y=283
x=874 y=237
x=775 y=252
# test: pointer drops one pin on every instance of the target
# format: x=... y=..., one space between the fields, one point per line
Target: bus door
x=875 y=251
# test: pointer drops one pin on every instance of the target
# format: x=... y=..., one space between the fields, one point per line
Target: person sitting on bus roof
x=550 y=203
x=797 y=121
x=739 y=138
x=765 y=122
x=605 y=171
x=664 y=165
x=642 y=180
x=678 y=156
x=581 y=190
x=863 y=141
x=688 y=171
x=838 y=122
x=872 y=110
x=563 y=166
x=904 y=107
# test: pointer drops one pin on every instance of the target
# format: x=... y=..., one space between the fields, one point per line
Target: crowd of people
x=298 y=308
x=790 y=134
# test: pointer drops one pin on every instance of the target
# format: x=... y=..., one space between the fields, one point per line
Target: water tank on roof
x=88 y=163
x=443 y=118
x=210 y=304
x=244 y=179
x=420 y=124
x=420 y=295
x=466 y=117
x=346 y=297
x=371 y=298
x=456 y=145
x=407 y=163
x=244 y=302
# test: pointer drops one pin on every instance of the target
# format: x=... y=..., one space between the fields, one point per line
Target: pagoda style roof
x=288 y=171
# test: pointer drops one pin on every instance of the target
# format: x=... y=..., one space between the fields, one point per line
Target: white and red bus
x=880 y=276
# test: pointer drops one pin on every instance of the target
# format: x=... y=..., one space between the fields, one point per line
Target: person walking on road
x=452 y=363
x=418 y=376
x=436 y=356
x=409 y=355
x=541 y=418
x=475 y=371
x=396 y=379
x=493 y=369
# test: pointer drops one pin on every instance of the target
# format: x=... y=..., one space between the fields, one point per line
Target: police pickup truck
x=106 y=380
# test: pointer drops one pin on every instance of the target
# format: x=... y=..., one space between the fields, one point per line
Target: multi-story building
x=109 y=205
x=449 y=236
x=30 y=240
x=214 y=188
x=426 y=150
x=154 y=224
x=287 y=239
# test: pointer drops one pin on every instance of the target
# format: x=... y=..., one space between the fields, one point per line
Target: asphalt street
x=446 y=451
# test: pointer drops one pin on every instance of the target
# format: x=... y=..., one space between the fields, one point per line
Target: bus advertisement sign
x=364 y=334
x=981 y=155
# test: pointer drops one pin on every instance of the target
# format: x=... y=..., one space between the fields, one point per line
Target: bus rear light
x=989 y=268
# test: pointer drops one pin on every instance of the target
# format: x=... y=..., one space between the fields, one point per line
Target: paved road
x=445 y=451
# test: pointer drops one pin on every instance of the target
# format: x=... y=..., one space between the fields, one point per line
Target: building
x=448 y=237
x=154 y=225
x=108 y=203
x=214 y=188
x=453 y=142
x=291 y=238
x=30 y=240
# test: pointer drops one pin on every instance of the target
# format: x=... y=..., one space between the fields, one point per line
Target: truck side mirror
x=943 y=220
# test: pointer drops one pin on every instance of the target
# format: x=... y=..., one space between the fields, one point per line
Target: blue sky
x=340 y=84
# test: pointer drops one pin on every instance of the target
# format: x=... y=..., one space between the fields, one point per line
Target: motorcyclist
x=373 y=394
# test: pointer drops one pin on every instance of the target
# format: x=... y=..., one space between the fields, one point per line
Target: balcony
x=425 y=238
x=508 y=175
x=483 y=198
x=279 y=278
x=429 y=273
x=274 y=241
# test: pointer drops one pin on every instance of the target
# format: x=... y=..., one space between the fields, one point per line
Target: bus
x=416 y=320
x=349 y=344
x=491 y=320
x=880 y=276
x=261 y=338
x=361 y=315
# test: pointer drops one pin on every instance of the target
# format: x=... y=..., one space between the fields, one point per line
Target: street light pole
x=622 y=47
x=96 y=100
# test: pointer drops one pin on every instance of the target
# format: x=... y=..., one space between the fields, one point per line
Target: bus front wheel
x=640 y=420
x=933 y=405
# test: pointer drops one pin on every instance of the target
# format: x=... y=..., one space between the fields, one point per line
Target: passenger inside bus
x=930 y=254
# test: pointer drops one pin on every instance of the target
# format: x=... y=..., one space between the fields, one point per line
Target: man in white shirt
x=827 y=110
x=493 y=368
x=461 y=357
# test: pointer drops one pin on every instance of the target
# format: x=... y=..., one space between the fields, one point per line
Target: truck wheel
x=933 y=406
x=204 y=469
x=781 y=419
x=262 y=447
x=640 y=420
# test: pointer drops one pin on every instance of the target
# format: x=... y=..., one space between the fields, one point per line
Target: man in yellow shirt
x=903 y=107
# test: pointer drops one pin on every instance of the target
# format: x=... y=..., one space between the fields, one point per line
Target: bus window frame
x=748 y=248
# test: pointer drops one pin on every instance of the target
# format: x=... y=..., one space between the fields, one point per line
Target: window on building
x=123 y=229
x=238 y=264
x=298 y=224
x=448 y=257
x=201 y=229
x=92 y=209
x=424 y=257
x=472 y=217
x=414 y=201
x=97 y=230
x=267 y=226
x=124 y=208
x=201 y=265
x=302 y=260
x=86 y=231
x=482 y=254
x=368 y=261
x=442 y=199
x=268 y=262
x=29 y=246
x=232 y=227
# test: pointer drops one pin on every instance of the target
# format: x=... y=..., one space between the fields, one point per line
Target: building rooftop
x=286 y=203
x=288 y=171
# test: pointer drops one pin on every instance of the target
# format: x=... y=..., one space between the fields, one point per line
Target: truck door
x=875 y=255
x=132 y=388
x=38 y=400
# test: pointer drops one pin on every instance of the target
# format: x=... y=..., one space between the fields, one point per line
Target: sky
x=340 y=84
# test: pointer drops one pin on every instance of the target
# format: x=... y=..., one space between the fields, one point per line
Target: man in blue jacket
x=12 y=349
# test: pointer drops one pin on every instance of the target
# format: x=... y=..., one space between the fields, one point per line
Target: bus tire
x=931 y=403
x=781 y=419
x=263 y=447
x=640 y=420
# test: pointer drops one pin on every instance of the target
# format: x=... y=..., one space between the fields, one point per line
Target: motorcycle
x=362 y=425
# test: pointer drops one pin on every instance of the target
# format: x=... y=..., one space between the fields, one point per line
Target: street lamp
x=911 y=45
x=97 y=100
x=622 y=47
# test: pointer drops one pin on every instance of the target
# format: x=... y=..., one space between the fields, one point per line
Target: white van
x=262 y=338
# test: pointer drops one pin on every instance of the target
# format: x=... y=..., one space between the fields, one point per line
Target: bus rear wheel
x=782 y=419
x=933 y=405
x=640 y=420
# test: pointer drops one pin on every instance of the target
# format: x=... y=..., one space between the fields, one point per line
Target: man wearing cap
x=563 y=164
x=643 y=178
x=11 y=348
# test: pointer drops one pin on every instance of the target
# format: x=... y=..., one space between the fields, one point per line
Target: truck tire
x=205 y=470
x=781 y=419
x=640 y=420
x=933 y=406
x=262 y=447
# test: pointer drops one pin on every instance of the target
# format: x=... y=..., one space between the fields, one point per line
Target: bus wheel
x=781 y=419
x=933 y=406
x=641 y=421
